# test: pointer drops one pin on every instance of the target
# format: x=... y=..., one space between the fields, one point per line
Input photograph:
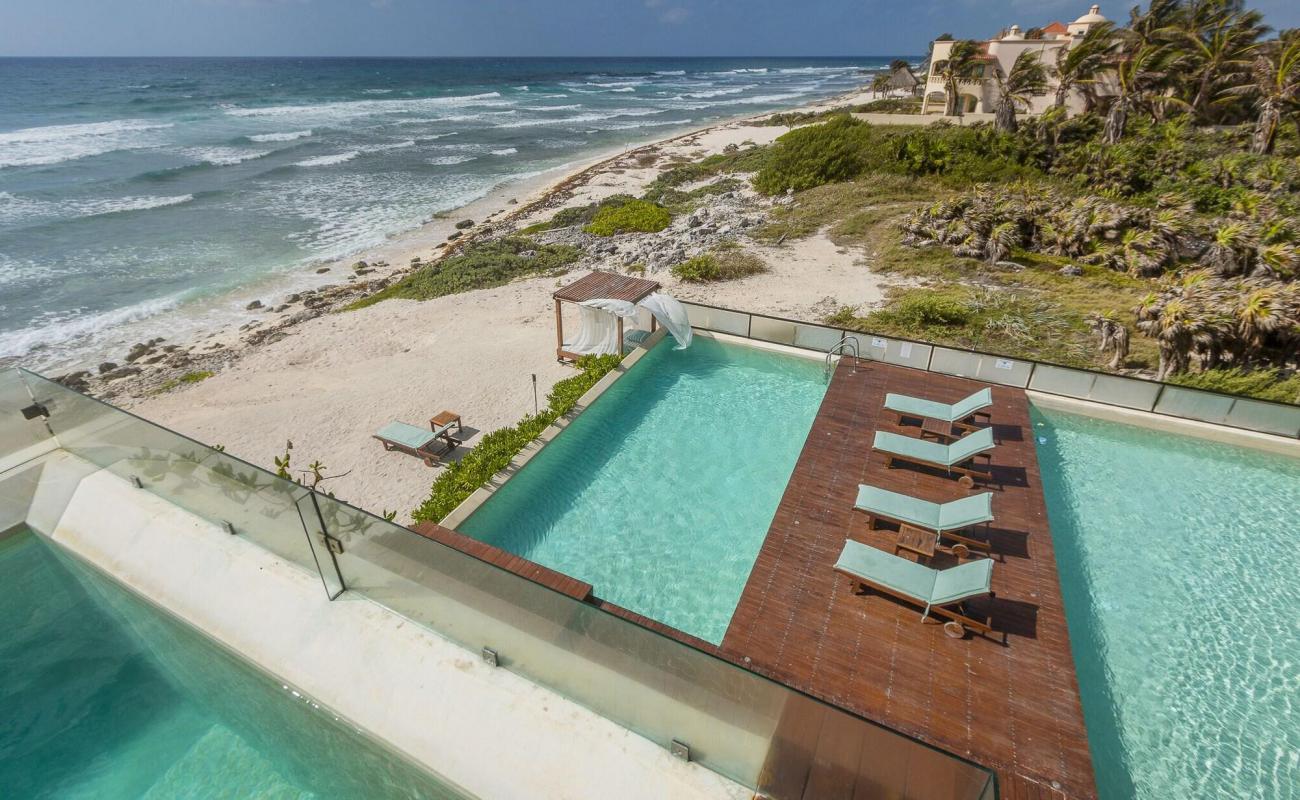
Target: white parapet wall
x=484 y=729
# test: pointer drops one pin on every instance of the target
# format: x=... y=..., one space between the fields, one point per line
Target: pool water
x=661 y=493
x=105 y=697
x=1178 y=570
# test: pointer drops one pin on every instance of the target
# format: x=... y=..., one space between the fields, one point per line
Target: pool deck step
x=1013 y=707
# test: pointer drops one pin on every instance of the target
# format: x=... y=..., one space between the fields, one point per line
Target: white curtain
x=672 y=315
x=597 y=332
x=598 y=328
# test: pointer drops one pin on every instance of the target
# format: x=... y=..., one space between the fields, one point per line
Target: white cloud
x=669 y=15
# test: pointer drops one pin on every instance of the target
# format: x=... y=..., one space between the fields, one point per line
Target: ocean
x=143 y=193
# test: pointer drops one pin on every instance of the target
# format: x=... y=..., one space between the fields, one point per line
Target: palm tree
x=1217 y=40
x=880 y=85
x=1274 y=83
x=1026 y=78
x=963 y=63
x=1138 y=78
x=1078 y=67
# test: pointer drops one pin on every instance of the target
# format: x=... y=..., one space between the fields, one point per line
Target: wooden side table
x=444 y=418
x=916 y=540
x=939 y=429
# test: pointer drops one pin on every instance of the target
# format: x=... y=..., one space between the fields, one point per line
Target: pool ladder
x=846 y=342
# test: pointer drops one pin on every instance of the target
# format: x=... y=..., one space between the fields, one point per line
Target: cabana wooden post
x=600 y=285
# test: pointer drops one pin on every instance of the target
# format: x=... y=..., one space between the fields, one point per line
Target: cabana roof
x=601 y=285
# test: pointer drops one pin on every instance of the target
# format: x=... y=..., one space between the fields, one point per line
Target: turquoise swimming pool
x=1178 y=571
x=661 y=493
x=105 y=697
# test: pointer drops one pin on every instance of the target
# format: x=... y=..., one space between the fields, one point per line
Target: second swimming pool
x=1177 y=561
x=661 y=493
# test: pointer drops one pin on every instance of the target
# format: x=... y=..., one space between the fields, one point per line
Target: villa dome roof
x=1093 y=16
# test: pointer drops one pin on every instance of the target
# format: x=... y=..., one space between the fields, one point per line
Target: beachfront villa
x=979 y=95
x=762 y=557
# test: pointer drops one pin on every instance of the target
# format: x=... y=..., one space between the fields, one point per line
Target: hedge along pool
x=661 y=493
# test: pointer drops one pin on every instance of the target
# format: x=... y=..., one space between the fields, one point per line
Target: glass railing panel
x=895 y=351
x=651 y=684
x=717 y=319
x=777 y=331
x=818 y=337
x=211 y=484
x=1126 y=392
x=1267 y=417
x=21 y=439
x=1062 y=381
x=1193 y=404
x=955 y=362
x=1004 y=371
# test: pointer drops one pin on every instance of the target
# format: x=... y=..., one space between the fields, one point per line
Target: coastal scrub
x=635 y=216
x=723 y=264
x=495 y=450
x=482 y=265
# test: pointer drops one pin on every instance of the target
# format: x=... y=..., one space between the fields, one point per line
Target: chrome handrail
x=845 y=341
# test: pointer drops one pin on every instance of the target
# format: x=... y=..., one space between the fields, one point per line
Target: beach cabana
x=604 y=300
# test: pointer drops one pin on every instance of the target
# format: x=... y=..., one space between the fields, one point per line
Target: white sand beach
x=329 y=382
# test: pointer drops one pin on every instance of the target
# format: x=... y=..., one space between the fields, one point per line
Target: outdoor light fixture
x=36 y=410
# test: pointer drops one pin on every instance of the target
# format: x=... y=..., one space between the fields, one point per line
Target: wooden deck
x=1013 y=707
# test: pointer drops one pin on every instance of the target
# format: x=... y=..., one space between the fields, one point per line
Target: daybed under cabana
x=605 y=299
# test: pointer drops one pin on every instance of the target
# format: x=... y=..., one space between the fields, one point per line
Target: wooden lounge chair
x=428 y=445
x=941 y=591
x=963 y=413
x=956 y=458
x=944 y=519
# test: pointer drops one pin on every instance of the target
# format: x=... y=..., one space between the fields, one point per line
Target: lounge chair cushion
x=951 y=516
x=919 y=449
x=971 y=579
x=920 y=407
x=969 y=445
x=927 y=586
x=908 y=578
x=406 y=435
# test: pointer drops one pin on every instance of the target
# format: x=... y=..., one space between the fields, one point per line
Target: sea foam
x=52 y=144
x=279 y=137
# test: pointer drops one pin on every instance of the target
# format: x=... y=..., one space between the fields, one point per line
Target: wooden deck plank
x=1014 y=708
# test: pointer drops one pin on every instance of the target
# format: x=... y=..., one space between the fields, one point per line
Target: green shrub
x=196 y=376
x=891 y=105
x=635 y=216
x=1264 y=384
x=723 y=264
x=479 y=266
x=495 y=450
x=925 y=309
x=818 y=154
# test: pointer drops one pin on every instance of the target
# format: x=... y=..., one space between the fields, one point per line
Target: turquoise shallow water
x=103 y=697
x=1178 y=570
x=661 y=493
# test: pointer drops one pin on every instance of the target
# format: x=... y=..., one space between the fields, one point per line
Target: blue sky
x=523 y=27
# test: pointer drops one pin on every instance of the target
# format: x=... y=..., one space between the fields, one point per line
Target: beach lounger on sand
x=429 y=445
x=958 y=457
x=963 y=413
x=940 y=591
x=942 y=518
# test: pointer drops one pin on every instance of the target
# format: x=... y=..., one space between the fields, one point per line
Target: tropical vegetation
x=480 y=265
